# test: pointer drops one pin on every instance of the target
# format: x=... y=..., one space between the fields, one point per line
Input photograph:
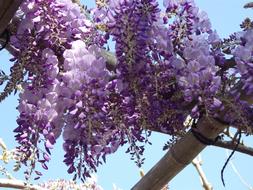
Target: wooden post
x=8 y=9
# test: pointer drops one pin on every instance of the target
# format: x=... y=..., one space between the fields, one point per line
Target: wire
x=243 y=181
x=229 y=157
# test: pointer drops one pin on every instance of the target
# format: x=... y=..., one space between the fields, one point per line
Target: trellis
x=179 y=155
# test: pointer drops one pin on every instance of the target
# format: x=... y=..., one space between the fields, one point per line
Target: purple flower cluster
x=196 y=74
x=240 y=115
x=89 y=132
x=146 y=80
x=46 y=30
x=187 y=18
x=39 y=111
x=243 y=57
x=145 y=85
x=165 y=71
x=130 y=23
x=241 y=112
x=59 y=184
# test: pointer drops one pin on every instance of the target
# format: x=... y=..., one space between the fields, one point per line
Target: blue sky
x=225 y=15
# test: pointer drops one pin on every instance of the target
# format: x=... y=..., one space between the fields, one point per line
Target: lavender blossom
x=243 y=57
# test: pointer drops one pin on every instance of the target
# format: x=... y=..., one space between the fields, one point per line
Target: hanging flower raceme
x=89 y=133
x=46 y=29
x=187 y=19
x=197 y=75
x=142 y=100
x=39 y=113
x=243 y=57
x=240 y=114
x=145 y=78
x=130 y=25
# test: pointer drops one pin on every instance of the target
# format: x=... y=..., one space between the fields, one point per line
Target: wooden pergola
x=178 y=156
x=7 y=10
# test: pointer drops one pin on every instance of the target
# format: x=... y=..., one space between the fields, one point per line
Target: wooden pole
x=8 y=9
x=179 y=156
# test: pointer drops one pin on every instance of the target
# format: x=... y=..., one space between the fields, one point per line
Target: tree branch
x=231 y=146
x=18 y=184
x=197 y=164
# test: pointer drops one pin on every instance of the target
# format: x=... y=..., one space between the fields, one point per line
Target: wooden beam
x=179 y=156
x=8 y=9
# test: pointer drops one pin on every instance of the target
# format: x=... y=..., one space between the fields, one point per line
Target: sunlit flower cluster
x=168 y=66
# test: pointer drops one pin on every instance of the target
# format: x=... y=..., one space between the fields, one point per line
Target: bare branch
x=2 y=144
x=231 y=146
x=18 y=184
x=197 y=164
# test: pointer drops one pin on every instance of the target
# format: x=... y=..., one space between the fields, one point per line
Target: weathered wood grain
x=179 y=156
